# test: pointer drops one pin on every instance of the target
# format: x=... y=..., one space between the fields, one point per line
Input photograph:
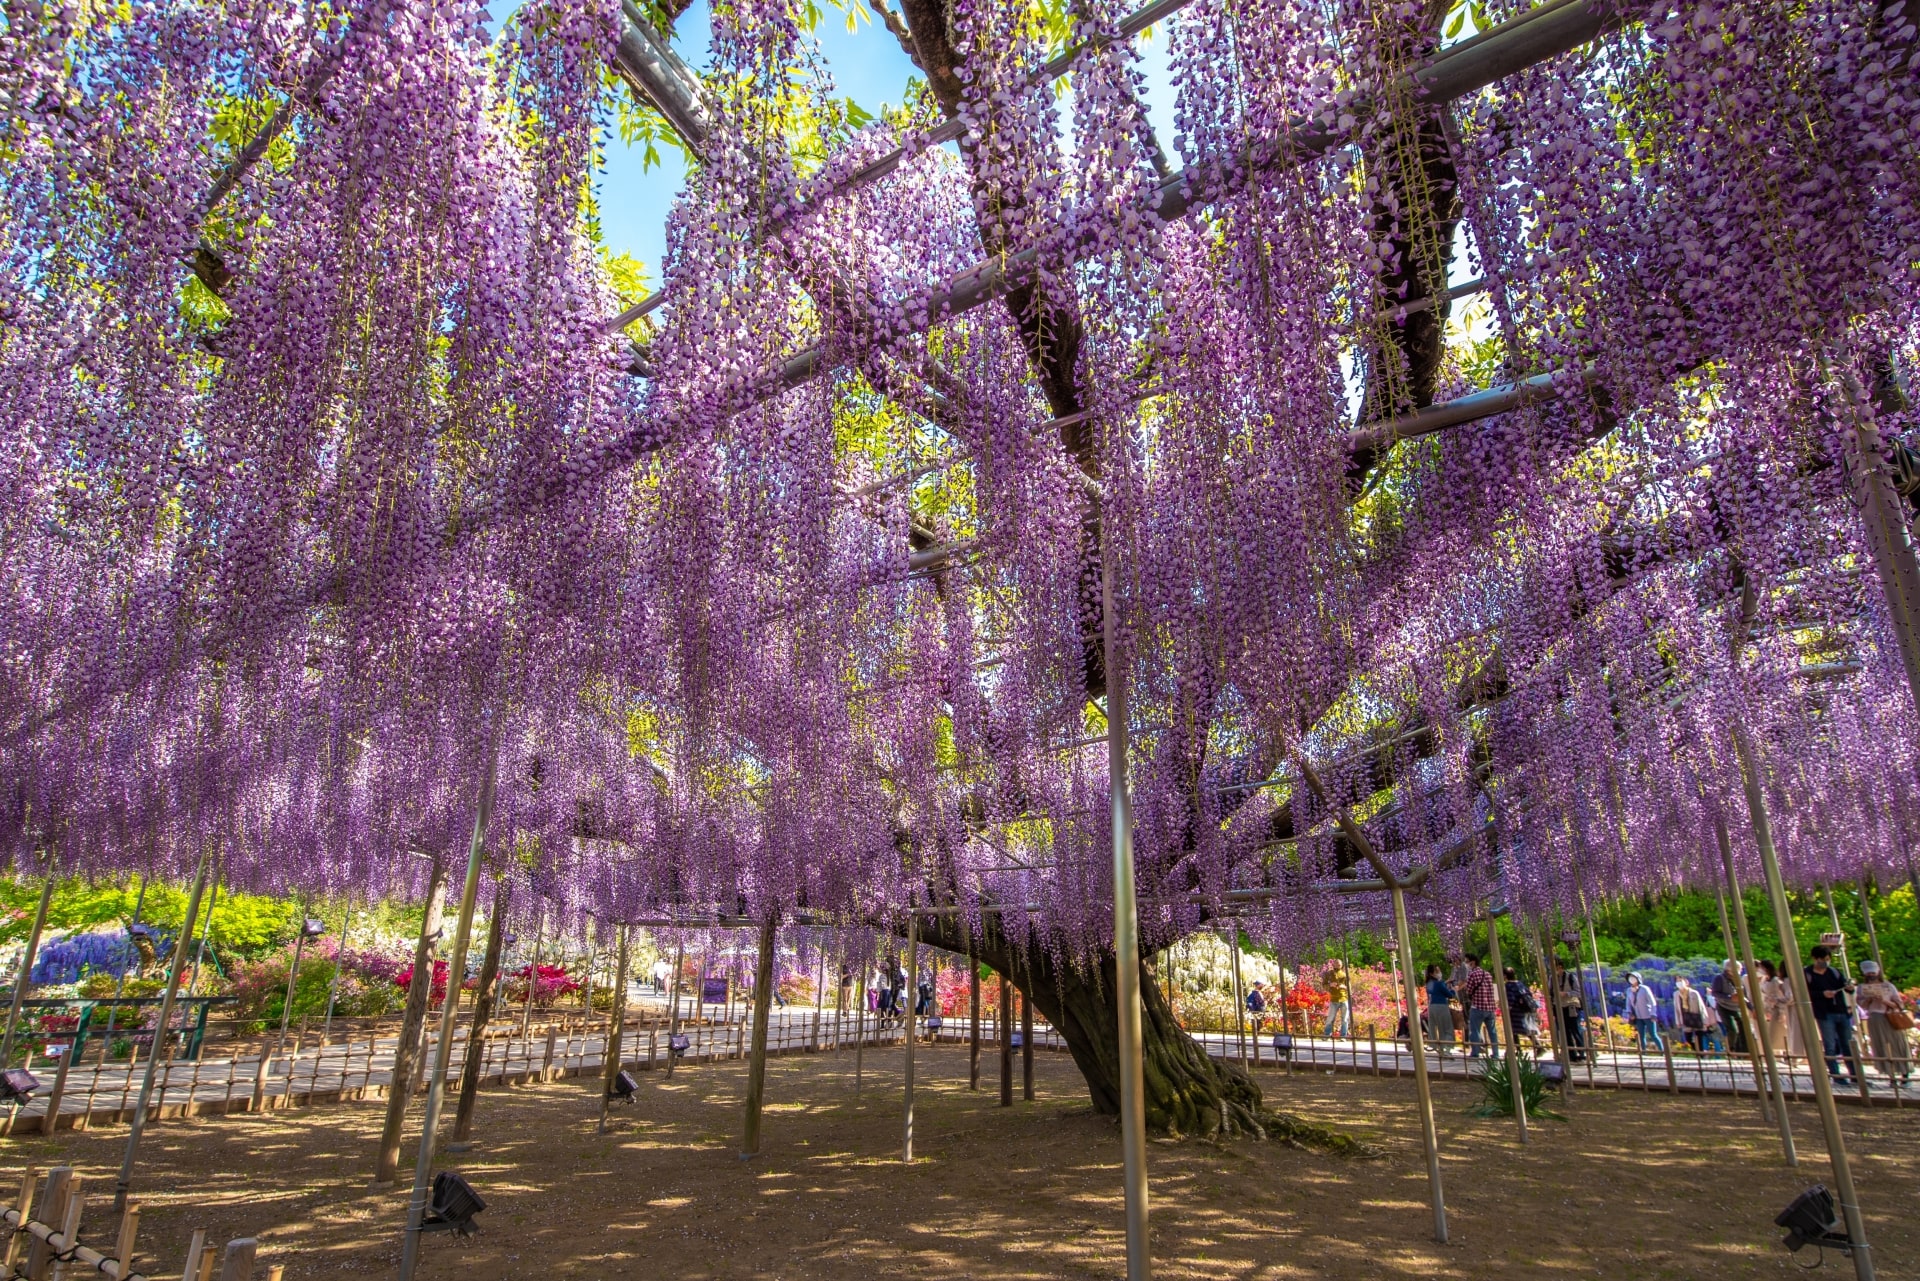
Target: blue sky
x=867 y=66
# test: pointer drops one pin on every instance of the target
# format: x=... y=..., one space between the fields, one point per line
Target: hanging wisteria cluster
x=330 y=487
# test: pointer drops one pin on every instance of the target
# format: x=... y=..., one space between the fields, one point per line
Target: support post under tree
x=762 y=1013
x=293 y=977
x=386 y=1167
x=1756 y=1002
x=26 y=963
x=673 y=1001
x=1026 y=1047
x=1503 y=1010
x=1750 y=1020
x=139 y=1126
x=912 y=1017
x=476 y=1033
x=973 y=1022
x=1126 y=935
x=616 y=1026
x=1422 y=1086
x=1005 y=1029
x=449 y=1009
x=1803 y=1008
x=533 y=974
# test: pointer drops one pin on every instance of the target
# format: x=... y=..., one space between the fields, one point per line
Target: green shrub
x=1496 y=1088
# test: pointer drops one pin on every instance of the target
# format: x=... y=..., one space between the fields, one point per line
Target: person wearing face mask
x=1642 y=1007
x=1888 y=1021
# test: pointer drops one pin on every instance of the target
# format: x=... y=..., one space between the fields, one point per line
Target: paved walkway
x=360 y=1065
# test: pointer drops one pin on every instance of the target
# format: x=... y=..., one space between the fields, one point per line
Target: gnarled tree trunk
x=1187 y=1092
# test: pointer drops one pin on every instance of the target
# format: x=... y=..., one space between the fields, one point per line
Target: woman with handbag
x=1888 y=1022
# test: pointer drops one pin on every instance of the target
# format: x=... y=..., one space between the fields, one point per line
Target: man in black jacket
x=1833 y=1009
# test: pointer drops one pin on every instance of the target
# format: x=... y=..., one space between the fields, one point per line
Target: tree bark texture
x=419 y=990
x=482 y=1011
x=1187 y=1092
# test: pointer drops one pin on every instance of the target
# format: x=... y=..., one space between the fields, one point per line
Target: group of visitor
x=1720 y=1018
x=1468 y=999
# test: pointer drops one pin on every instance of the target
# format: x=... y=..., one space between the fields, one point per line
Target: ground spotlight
x=1809 y=1220
x=17 y=1085
x=678 y=1044
x=453 y=1207
x=1283 y=1045
x=624 y=1086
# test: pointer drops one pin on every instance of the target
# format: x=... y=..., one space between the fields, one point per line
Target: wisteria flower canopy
x=335 y=466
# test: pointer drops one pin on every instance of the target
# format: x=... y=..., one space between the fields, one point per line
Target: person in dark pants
x=1727 y=1002
x=1572 y=1004
x=1831 y=993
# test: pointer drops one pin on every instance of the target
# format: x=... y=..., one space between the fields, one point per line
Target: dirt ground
x=1631 y=1186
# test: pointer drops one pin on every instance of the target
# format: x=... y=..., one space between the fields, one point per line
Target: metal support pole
x=1423 y=1088
x=1755 y=1000
x=483 y=1003
x=1873 y=935
x=206 y=931
x=913 y=1006
x=1126 y=935
x=443 y=1051
x=125 y=1180
x=333 y=988
x=762 y=1013
x=120 y=984
x=293 y=975
x=860 y=1027
x=616 y=1027
x=673 y=1001
x=26 y=964
x=1803 y=1007
x=1504 y=1013
x=533 y=974
x=1749 y=1018
x=1599 y=978
x=1239 y=997
x=386 y=1166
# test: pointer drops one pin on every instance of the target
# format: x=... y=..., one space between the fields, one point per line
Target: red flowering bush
x=550 y=982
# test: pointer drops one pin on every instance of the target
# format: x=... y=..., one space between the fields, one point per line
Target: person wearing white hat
x=1888 y=1022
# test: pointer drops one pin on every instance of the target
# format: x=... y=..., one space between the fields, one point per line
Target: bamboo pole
x=1873 y=935
x=912 y=1015
x=860 y=1028
x=1504 y=1013
x=476 y=1033
x=1126 y=934
x=1599 y=979
x=533 y=974
x=443 y=1051
x=120 y=984
x=333 y=987
x=1423 y=1088
x=125 y=1181
x=1239 y=997
x=1803 y=1008
x=293 y=977
x=1765 y=1079
x=673 y=1000
x=26 y=964
x=616 y=1026
x=386 y=1165
x=763 y=981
